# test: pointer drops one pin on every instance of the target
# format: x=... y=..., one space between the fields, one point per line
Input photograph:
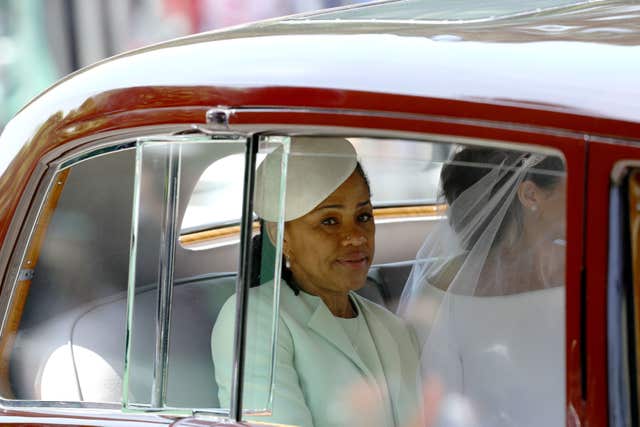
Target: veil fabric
x=486 y=299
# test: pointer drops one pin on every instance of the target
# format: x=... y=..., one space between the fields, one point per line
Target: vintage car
x=126 y=195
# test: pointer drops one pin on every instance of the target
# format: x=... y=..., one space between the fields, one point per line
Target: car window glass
x=486 y=295
x=70 y=342
x=219 y=183
x=169 y=354
x=401 y=172
x=482 y=341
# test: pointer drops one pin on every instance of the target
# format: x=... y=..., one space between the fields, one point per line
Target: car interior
x=73 y=324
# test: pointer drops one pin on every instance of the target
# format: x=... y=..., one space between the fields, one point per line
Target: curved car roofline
x=512 y=29
x=584 y=24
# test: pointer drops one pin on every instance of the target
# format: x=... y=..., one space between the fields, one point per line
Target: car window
x=82 y=280
x=482 y=311
x=402 y=173
x=69 y=343
x=176 y=295
x=220 y=183
x=110 y=255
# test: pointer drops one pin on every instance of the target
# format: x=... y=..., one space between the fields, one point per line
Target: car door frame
x=605 y=156
x=327 y=111
x=322 y=121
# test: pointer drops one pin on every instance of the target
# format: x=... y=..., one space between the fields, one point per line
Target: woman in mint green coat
x=340 y=359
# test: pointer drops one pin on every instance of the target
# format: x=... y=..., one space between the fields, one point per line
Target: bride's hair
x=470 y=164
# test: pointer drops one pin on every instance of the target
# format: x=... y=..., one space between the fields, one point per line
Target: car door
x=165 y=288
x=610 y=306
x=402 y=131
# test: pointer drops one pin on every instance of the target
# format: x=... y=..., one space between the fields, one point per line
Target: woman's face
x=331 y=248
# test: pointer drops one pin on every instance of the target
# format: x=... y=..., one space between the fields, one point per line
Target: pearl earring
x=534 y=208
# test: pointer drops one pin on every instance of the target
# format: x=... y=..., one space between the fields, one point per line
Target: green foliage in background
x=26 y=65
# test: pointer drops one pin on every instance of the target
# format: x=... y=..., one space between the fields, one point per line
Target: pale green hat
x=316 y=167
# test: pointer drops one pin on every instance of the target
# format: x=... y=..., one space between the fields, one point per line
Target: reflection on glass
x=262 y=304
x=85 y=218
x=199 y=281
x=401 y=173
x=335 y=351
x=486 y=294
x=219 y=186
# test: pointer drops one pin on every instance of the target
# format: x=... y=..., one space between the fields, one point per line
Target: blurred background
x=44 y=40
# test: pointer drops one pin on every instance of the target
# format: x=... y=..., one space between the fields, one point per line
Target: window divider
x=244 y=279
x=165 y=275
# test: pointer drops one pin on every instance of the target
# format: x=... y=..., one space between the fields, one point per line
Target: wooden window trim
x=19 y=298
x=210 y=236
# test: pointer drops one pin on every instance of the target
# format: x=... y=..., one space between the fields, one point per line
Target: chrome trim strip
x=613 y=141
x=22 y=211
x=10 y=281
x=131 y=274
x=543 y=130
x=168 y=241
x=97 y=152
x=81 y=146
x=59 y=405
x=277 y=269
x=244 y=279
x=324 y=130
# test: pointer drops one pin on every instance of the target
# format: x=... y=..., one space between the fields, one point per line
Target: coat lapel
x=324 y=324
x=389 y=357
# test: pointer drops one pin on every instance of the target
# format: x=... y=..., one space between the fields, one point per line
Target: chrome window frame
x=170 y=234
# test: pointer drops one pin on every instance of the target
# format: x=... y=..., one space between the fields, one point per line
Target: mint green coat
x=317 y=372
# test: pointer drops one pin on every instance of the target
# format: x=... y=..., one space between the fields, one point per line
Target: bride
x=486 y=294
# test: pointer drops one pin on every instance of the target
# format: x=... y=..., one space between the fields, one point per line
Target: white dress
x=505 y=354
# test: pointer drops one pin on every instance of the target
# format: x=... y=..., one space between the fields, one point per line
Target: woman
x=333 y=346
x=486 y=294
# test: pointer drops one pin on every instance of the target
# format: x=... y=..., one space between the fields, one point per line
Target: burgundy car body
x=570 y=75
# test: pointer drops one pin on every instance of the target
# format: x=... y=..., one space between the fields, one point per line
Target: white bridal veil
x=486 y=293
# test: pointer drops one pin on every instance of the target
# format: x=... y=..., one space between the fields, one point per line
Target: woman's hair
x=471 y=164
x=364 y=176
